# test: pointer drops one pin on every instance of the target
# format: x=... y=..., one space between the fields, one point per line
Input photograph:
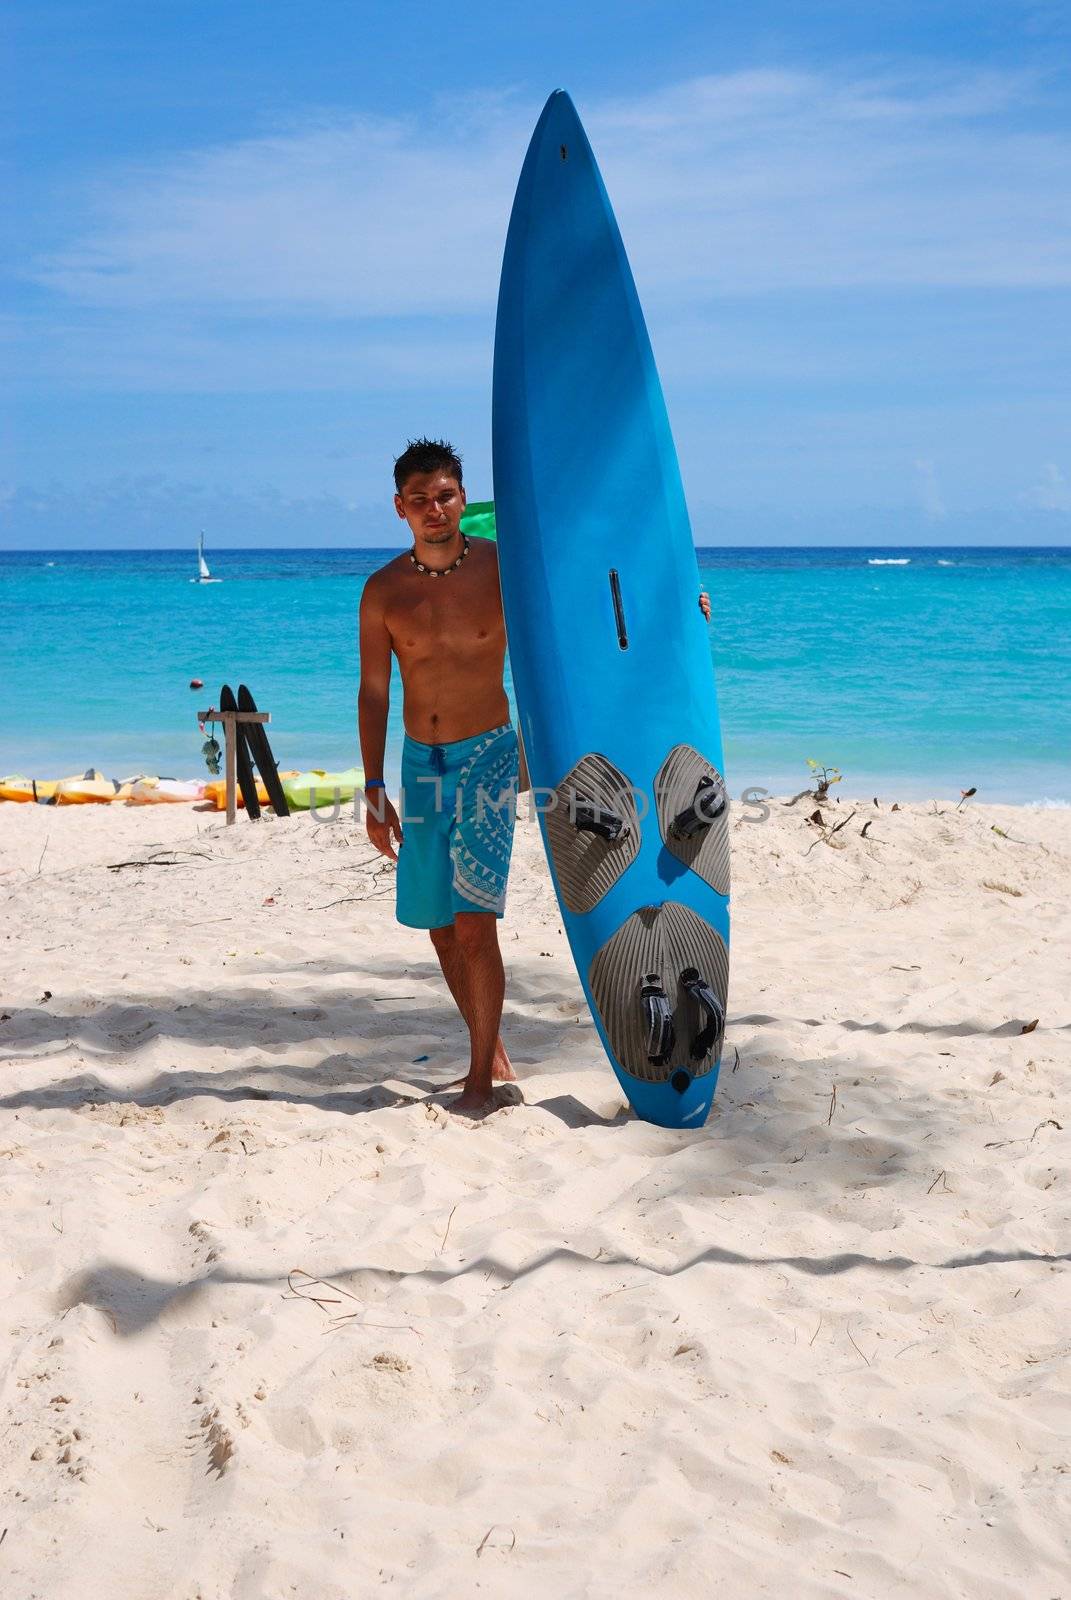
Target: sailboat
x=203 y=574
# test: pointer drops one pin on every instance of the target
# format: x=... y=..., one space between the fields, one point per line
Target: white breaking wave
x=888 y=561
x=941 y=563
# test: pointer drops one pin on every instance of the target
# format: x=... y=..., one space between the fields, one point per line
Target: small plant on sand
x=824 y=778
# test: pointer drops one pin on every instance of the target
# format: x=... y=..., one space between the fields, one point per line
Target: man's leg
x=456 y=973
x=482 y=984
x=476 y=934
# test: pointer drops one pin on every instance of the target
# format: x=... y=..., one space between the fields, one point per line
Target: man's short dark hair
x=427 y=455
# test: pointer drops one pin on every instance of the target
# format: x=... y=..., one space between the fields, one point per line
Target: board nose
x=558 y=119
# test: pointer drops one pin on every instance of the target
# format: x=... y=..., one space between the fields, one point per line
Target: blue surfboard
x=609 y=650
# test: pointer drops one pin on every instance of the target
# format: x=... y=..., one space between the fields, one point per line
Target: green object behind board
x=479 y=519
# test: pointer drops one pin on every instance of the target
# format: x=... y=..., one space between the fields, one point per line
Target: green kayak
x=317 y=788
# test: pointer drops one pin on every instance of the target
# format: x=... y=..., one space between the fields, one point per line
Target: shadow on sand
x=133 y=1301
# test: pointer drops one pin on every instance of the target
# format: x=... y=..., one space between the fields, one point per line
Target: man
x=439 y=609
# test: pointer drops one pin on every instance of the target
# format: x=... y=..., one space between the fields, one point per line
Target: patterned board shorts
x=458 y=810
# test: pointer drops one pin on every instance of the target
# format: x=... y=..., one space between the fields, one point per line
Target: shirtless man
x=439 y=609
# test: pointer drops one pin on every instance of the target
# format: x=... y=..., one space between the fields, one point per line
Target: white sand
x=819 y=1348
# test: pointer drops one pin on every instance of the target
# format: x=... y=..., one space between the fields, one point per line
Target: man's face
x=431 y=503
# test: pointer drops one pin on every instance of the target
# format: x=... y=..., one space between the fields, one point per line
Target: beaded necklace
x=440 y=572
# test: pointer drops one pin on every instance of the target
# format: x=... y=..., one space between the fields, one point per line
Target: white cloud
x=366 y=217
x=1053 y=493
x=182 y=350
x=731 y=185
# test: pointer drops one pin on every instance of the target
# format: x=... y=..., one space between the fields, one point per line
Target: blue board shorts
x=458 y=810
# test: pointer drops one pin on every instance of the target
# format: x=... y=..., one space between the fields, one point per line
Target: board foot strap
x=712 y=1010
x=658 y=1015
x=707 y=806
x=590 y=817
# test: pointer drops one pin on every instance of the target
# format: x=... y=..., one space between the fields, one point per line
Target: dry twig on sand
x=449 y=1219
x=848 y=1331
x=373 y=894
x=337 y=1319
x=159 y=858
x=827 y=832
x=320 y=1300
x=490 y=1531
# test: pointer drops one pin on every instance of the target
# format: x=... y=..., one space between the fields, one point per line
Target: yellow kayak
x=216 y=791
x=88 y=788
x=216 y=794
x=91 y=789
x=26 y=791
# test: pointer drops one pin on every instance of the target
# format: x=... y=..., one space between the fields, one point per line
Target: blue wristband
x=374 y=783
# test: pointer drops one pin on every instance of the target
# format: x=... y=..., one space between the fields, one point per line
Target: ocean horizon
x=915 y=670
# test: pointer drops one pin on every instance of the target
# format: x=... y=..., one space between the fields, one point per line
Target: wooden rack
x=229 y=720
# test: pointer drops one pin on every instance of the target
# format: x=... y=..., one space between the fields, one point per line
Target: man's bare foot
x=502 y=1068
x=472 y=1101
x=478 y=1103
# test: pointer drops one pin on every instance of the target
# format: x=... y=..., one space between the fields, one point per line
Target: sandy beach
x=276 y=1324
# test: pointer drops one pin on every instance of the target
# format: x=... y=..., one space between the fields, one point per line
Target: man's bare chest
x=438 y=611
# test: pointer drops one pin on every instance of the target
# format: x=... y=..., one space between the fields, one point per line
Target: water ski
x=260 y=749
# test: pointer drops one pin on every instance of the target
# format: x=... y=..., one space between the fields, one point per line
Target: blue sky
x=256 y=246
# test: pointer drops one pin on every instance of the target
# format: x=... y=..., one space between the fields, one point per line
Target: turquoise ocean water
x=917 y=672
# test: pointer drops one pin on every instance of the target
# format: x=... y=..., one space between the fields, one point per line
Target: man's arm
x=373 y=698
x=373 y=704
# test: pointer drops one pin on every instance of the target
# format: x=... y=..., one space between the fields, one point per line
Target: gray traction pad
x=674 y=787
x=586 y=865
x=664 y=939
